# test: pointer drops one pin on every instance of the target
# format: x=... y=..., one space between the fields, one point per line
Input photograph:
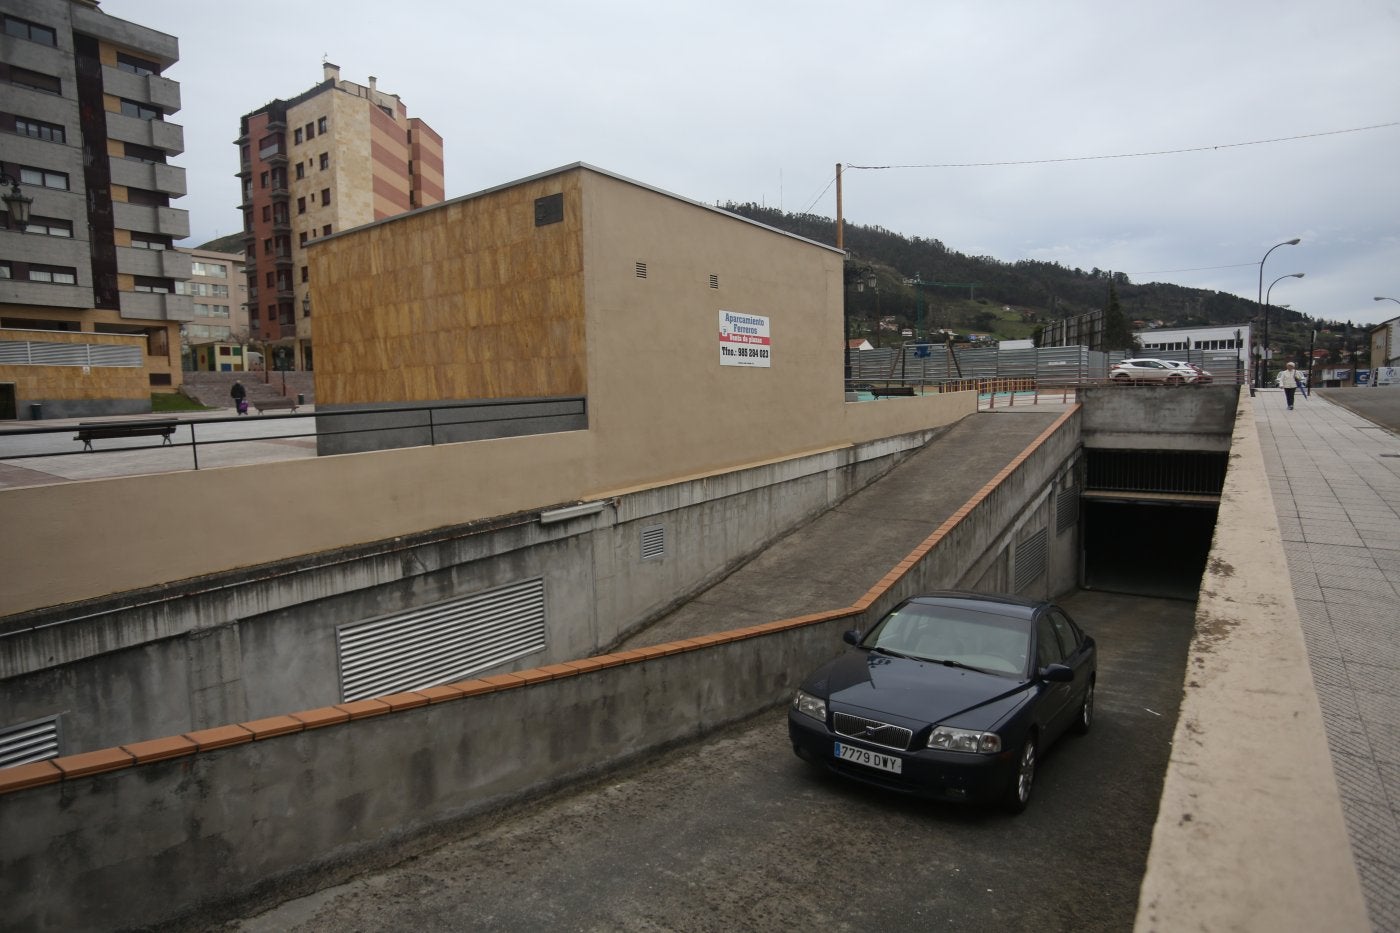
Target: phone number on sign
x=751 y=351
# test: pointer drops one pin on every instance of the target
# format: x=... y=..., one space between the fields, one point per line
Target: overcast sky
x=1291 y=110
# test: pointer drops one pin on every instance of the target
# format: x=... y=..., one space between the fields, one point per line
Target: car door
x=1055 y=698
x=1079 y=656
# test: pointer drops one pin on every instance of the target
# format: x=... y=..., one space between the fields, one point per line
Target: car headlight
x=812 y=706
x=948 y=739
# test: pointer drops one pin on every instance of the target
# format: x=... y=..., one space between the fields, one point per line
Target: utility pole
x=840 y=239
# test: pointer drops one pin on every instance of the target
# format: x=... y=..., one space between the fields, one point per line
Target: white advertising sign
x=744 y=340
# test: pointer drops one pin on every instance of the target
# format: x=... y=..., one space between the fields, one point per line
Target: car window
x=1047 y=643
x=1069 y=638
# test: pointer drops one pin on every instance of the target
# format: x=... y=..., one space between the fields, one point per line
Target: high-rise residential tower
x=337 y=156
x=89 y=314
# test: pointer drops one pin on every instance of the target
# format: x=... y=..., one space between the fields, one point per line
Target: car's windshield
x=938 y=633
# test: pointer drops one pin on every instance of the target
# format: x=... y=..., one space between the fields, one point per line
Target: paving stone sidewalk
x=1335 y=478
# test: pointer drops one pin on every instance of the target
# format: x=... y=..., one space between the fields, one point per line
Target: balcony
x=156 y=306
x=156 y=134
x=151 y=176
x=161 y=264
x=152 y=89
x=168 y=221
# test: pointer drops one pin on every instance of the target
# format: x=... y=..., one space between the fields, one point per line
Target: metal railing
x=437 y=424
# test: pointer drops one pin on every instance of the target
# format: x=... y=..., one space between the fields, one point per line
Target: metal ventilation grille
x=440 y=643
x=29 y=742
x=653 y=542
x=1030 y=560
x=1066 y=509
x=641 y=270
x=714 y=281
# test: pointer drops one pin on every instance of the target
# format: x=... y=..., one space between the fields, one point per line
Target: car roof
x=1011 y=606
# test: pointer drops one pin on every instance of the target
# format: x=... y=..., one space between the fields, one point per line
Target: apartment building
x=89 y=310
x=337 y=156
x=215 y=339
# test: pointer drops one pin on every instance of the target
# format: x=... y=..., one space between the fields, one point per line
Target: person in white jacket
x=1289 y=381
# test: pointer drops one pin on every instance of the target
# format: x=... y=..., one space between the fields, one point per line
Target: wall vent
x=653 y=542
x=1066 y=509
x=29 y=742
x=714 y=281
x=641 y=270
x=440 y=643
x=549 y=209
x=1030 y=560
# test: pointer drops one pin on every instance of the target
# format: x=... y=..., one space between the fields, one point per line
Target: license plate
x=864 y=756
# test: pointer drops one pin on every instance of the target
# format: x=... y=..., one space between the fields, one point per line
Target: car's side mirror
x=1057 y=673
x=852 y=637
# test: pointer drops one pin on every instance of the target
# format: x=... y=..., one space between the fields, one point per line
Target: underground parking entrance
x=1148 y=519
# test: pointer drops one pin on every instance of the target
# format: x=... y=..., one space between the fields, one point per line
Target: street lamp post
x=1264 y=350
x=1383 y=298
x=1261 y=370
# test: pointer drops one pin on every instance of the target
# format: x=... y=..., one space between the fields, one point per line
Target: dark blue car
x=951 y=696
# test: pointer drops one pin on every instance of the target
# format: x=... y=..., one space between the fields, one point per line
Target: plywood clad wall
x=467 y=301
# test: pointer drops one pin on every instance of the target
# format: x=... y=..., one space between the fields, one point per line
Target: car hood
x=922 y=691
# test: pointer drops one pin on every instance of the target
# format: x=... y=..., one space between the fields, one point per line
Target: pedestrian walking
x=1289 y=381
x=240 y=397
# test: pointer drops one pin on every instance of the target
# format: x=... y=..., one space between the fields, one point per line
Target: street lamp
x=1264 y=350
x=1383 y=298
x=16 y=200
x=1259 y=378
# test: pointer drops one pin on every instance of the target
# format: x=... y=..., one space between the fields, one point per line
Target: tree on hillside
x=1116 y=333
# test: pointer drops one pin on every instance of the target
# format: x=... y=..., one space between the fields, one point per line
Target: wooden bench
x=90 y=431
x=275 y=404
x=892 y=391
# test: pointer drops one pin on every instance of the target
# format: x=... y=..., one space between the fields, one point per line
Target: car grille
x=869 y=730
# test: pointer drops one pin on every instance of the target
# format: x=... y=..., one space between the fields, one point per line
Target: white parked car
x=1145 y=370
x=1201 y=376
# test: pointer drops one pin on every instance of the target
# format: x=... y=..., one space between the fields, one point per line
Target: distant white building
x=1160 y=340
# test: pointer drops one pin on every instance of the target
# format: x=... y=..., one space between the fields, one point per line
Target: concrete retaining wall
x=155 y=830
x=244 y=646
x=1195 y=418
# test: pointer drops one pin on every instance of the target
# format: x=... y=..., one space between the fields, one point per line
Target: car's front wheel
x=1085 y=720
x=1019 y=793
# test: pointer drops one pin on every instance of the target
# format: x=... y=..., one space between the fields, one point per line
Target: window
x=326 y=230
x=296 y=137
x=267 y=247
x=35 y=81
x=136 y=66
x=150 y=241
x=144 y=153
x=38 y=129
x=301 y=205
x=1069 y=638
x=44 y=178
x=305 y=274
x=134 y=108
x=325 y=161
x=214 y=270
x=23 y=29
x=1048 y=650
x=5 y=271
x=325 y=196
x=50 y=226
x=262 y=180
x=321 y=124
x=310 y=131
x=301 y=241
x=157 y=286
x=301 y=171
x=147 y=198
x=271 y=283
x=55 y=275
x=267 y=213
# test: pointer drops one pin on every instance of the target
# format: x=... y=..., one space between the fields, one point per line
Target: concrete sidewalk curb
x=1250 y=834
